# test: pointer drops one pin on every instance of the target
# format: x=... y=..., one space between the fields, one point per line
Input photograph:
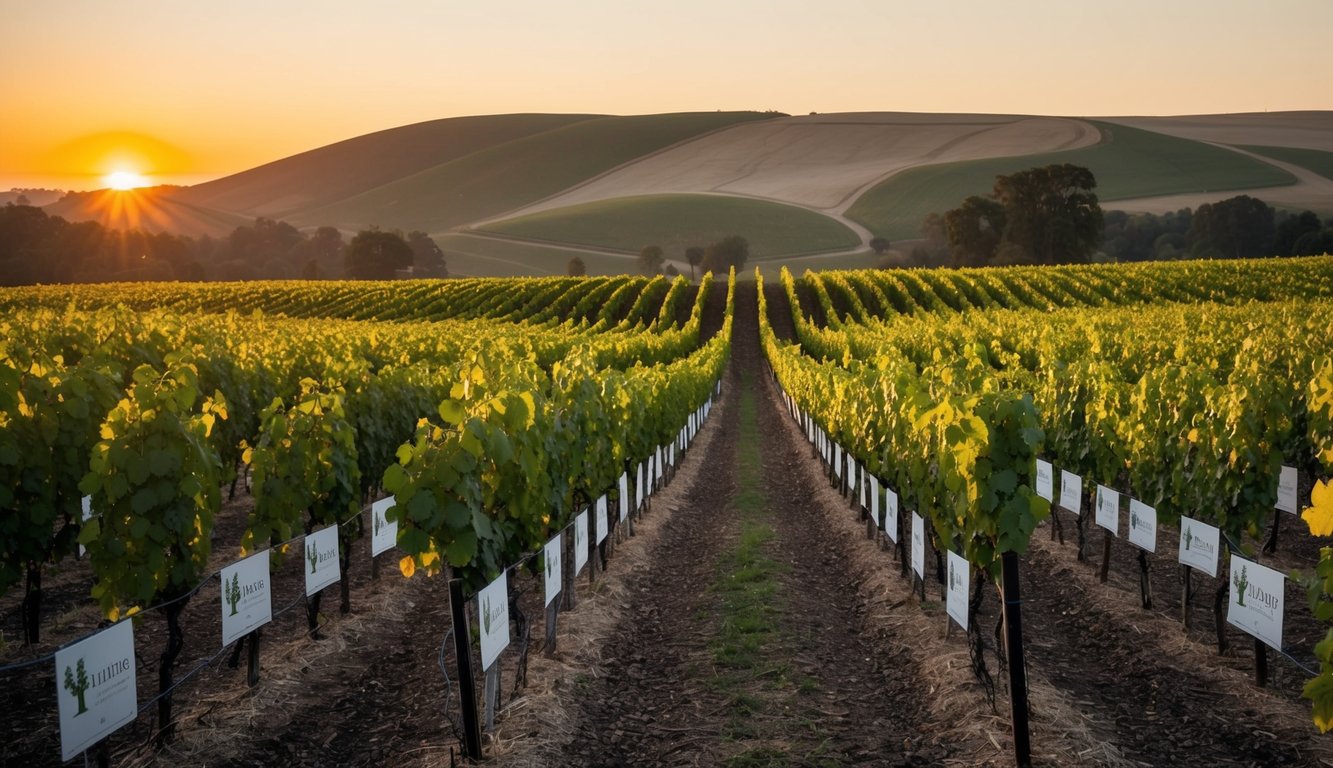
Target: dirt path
x=747 y=639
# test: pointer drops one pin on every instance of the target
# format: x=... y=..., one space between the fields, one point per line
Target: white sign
x=874 y=501
x=1256 y=600
x=837 y=460
x=1108 y=509
x=1045 y=477
x=891 y=514
x=671 y=461
x=918 y=545
x=638 y=487
x=1071 y=491
x=1198 y=545
x=247 y=596
x=553 y=567
x=493 y=612
x=580 y=542
x=95 y=688
x=1142 y=525
x=87 y=504
x=1286 y=490
x=955 y=597
x=383 y=534
x=864 y=487
x=603 y=525
x=851 y=470
x=624 y=496
x=321 y=559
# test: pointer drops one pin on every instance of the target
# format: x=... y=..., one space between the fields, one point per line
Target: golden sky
x=185 y=91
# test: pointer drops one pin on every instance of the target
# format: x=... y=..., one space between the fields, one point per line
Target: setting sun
x=123 y=180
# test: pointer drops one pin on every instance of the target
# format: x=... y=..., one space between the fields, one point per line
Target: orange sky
x=185 y=91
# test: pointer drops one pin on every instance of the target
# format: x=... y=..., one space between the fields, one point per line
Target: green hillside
x=480 y=256
x=284 y=188
x=510 y=175
x=676 y=222
x=1128 y=163
x=1316 y=160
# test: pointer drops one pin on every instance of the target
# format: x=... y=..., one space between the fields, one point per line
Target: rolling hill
x=1128 y=163
x=521 y=193
x=506 y=176
x=286 y=188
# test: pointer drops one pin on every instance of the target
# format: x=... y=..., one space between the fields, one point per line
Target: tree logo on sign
x=1241 y=581
x=233 y=593
x=486 y=615
x=78 y=684
x=1189 y=537
x=312 y=555
x=379 y=523
x=1134 y=520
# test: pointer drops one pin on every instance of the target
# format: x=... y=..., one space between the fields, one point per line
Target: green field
x=1128 y=163
x=479 y=256
x=772 y=268
x=510 y=175
x=676 y=222
x=1316 y=160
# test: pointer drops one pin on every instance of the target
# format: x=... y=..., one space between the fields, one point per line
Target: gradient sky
x=186 y=91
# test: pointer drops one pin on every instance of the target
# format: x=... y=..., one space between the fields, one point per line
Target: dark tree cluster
x=717 y=257
x=38 y=248
x=1238 y=227
x=1047 y=215
x=730 y=251
x=1050 y=215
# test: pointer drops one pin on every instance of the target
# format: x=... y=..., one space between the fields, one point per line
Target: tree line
x=1051 y=215
x=39 y=248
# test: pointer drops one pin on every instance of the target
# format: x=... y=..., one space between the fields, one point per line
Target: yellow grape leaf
x=408 y=565
x=1320 y=691
x=429 y=558
x=1319 y=515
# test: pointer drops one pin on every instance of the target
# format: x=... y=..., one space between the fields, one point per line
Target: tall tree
x=695 y=256
x=974 y=230
x=1238 y=227
x=426 y=255
x=1291 y=229
x=730 y=251
x=576 y=267
x=880 y=245
x=650 y=259
x=326 y=245
x=1051 y=213
x=375 y=255
x=265 y=243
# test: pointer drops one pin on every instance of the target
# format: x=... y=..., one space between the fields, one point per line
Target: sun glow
x=123 y=180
